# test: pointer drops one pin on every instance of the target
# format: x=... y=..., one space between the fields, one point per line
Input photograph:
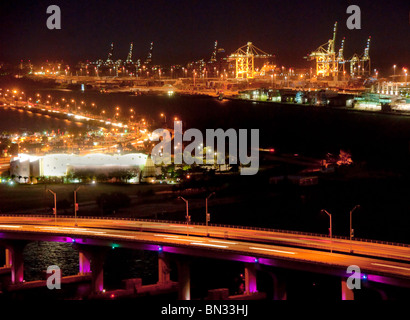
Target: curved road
x=223 y=241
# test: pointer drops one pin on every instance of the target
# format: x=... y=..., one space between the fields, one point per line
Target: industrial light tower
x=340 y=58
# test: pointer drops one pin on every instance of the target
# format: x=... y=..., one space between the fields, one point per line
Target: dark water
x=119 y=263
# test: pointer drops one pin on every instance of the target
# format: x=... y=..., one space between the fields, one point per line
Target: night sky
x=184 y=30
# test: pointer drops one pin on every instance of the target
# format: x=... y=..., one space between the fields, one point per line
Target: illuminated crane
x=360 y=65
x=110 y=53
x=148 y=60
x=340 y=58
x=325 y=56
x=365 y=59
x=354 y=65
x=244 y=60
x=213 y=57
x=129 y=57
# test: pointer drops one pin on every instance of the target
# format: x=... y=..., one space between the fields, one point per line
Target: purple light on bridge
x=252 y=287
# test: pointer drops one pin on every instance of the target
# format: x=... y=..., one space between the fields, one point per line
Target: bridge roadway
x=381 y=262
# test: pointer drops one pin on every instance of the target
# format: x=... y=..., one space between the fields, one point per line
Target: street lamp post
x=187 y=217
x=208 y=215
x=330 y=228
x=351 y=229
x=55 y=205
x=165 y=117
x=75 y=205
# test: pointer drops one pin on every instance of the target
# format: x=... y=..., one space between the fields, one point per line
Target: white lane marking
x=172 y=237
x=227 y=242
x=8 y=226
x=121 y=236
x=272 y=250
x=208 y=245
x=177 y=239
x=389 y=266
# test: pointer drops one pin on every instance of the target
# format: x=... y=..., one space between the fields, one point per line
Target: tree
x=345 y=158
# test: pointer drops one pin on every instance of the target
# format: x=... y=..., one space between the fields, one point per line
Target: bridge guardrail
x=211 y=225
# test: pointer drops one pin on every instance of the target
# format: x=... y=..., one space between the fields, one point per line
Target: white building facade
x=58 y=165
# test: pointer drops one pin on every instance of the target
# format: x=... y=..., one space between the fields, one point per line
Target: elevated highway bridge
x=379 y=262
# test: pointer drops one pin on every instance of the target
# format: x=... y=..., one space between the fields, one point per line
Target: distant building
x=58 y=165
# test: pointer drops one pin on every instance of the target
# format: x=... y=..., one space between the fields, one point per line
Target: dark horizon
x=185 y=31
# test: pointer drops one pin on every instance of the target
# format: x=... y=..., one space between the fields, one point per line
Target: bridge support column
x=97 y=271
x=14 y=259
x=84 y=263
x=347 y=294
x=250 y=278
x=7 y=258
x=163 y=268
x=91 y=259
x=184 y=280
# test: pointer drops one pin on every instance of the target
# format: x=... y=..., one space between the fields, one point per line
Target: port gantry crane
x=340 y=58
x=330 y=64
x=148 y=60
x=244 y=60
x=325 y=56
x=110 y=53
x=213 y=57
x=360 y=65
x=366 y=58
